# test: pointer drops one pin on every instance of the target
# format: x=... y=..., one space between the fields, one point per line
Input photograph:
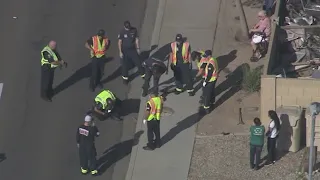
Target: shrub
x=251 y=79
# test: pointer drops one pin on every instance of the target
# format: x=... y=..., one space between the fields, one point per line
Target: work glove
x=121 y=55
x=78 y=145
x=109 y=111
x=204 y=84
x=138 y=50
x=144 y=121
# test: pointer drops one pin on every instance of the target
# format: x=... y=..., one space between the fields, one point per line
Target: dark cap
x=179 y=37
x=207 y=53
x=101 y=32
x=127 y=24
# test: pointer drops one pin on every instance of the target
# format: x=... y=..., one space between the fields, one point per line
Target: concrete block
x=278 y=101
x=304 y=101
x=316 y=99
x=311 y=91
x=296 y=91
x=282 y=90
x=289 y=100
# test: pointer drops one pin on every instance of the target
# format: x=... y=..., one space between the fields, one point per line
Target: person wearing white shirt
x=272 y=133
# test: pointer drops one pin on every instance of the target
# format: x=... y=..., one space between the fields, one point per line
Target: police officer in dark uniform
x=49 y=62
x=153 y=67
x=98 y=46
x=86 y=134
x=129 y=50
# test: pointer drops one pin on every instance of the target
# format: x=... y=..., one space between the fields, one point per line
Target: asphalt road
x=37 y=137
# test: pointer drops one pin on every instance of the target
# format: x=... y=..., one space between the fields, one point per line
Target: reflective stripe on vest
x=103 y=96
x=214 y=76
x=97 y=47
x=185 y=52
x=156 y=105
x=45 y=61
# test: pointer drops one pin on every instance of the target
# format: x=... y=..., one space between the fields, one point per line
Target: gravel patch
x=227 y=158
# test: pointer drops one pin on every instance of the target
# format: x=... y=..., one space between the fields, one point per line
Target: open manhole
x=166 y=111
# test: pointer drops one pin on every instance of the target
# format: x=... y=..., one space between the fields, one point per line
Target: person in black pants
x=153 y=67
x=86 y=134
x=256 y=143
x=50 y=60
x=98 y=46
x=272 y=133
x=129 y=50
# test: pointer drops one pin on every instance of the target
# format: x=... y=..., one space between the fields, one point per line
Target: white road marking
x=1 y=87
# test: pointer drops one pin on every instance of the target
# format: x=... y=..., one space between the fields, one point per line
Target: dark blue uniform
x=129 y=51
x=153 y=68
x=47 y=76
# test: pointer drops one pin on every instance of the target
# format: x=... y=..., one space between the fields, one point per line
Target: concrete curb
x=156 y=20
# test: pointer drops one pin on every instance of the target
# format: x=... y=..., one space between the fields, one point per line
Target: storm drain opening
x=166 y=111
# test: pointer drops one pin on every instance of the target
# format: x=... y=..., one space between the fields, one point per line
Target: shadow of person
x=129 y=106
x=284 y=141
x=232 y=84
x=80 y=74
x=224 y=60
x=181 y=126
x=117 y=152
x=2 y=157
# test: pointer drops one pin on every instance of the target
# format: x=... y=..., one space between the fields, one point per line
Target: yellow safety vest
x=45 y=61
x=97 y=47
x=202 y=60
x=156 y=105
x=103 y=96
x=214 y=76
x=185 y=52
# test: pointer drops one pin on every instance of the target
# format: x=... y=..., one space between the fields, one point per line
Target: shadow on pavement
x=117 y=152
x=232 y=84
x=80 y=74
x=2 y=157
x=130 y=106
x=224 y=60
x=181 y=126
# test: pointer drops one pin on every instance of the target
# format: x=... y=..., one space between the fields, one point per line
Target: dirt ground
x=222 y=157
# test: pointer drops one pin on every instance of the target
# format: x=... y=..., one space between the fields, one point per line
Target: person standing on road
x=273 y=134
x=201 y=61
x=181 y=65
x=256 y=143
x=129 y=49
x=107 y=105
x=50 y=60
x=86 y=134
x=98 y=46
x=152 y=119
x=153 y=67
x=209 y=83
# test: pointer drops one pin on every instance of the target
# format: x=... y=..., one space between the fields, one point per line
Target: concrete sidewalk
x=196 y=20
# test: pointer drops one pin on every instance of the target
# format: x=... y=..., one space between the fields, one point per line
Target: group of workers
x=106 y=104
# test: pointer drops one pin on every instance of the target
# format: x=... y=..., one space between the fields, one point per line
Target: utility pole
x=243 y=20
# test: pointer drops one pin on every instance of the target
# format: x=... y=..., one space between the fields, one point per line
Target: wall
x=277 y=92
x=272 y=55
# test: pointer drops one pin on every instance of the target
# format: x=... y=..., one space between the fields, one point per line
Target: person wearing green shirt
x=257 y=132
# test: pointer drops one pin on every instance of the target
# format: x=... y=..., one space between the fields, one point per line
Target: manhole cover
x=166 y=111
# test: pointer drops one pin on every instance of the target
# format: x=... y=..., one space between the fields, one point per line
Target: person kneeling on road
x=155 y=68
x=152 y=119
x=107 y=105
x=86 y=134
